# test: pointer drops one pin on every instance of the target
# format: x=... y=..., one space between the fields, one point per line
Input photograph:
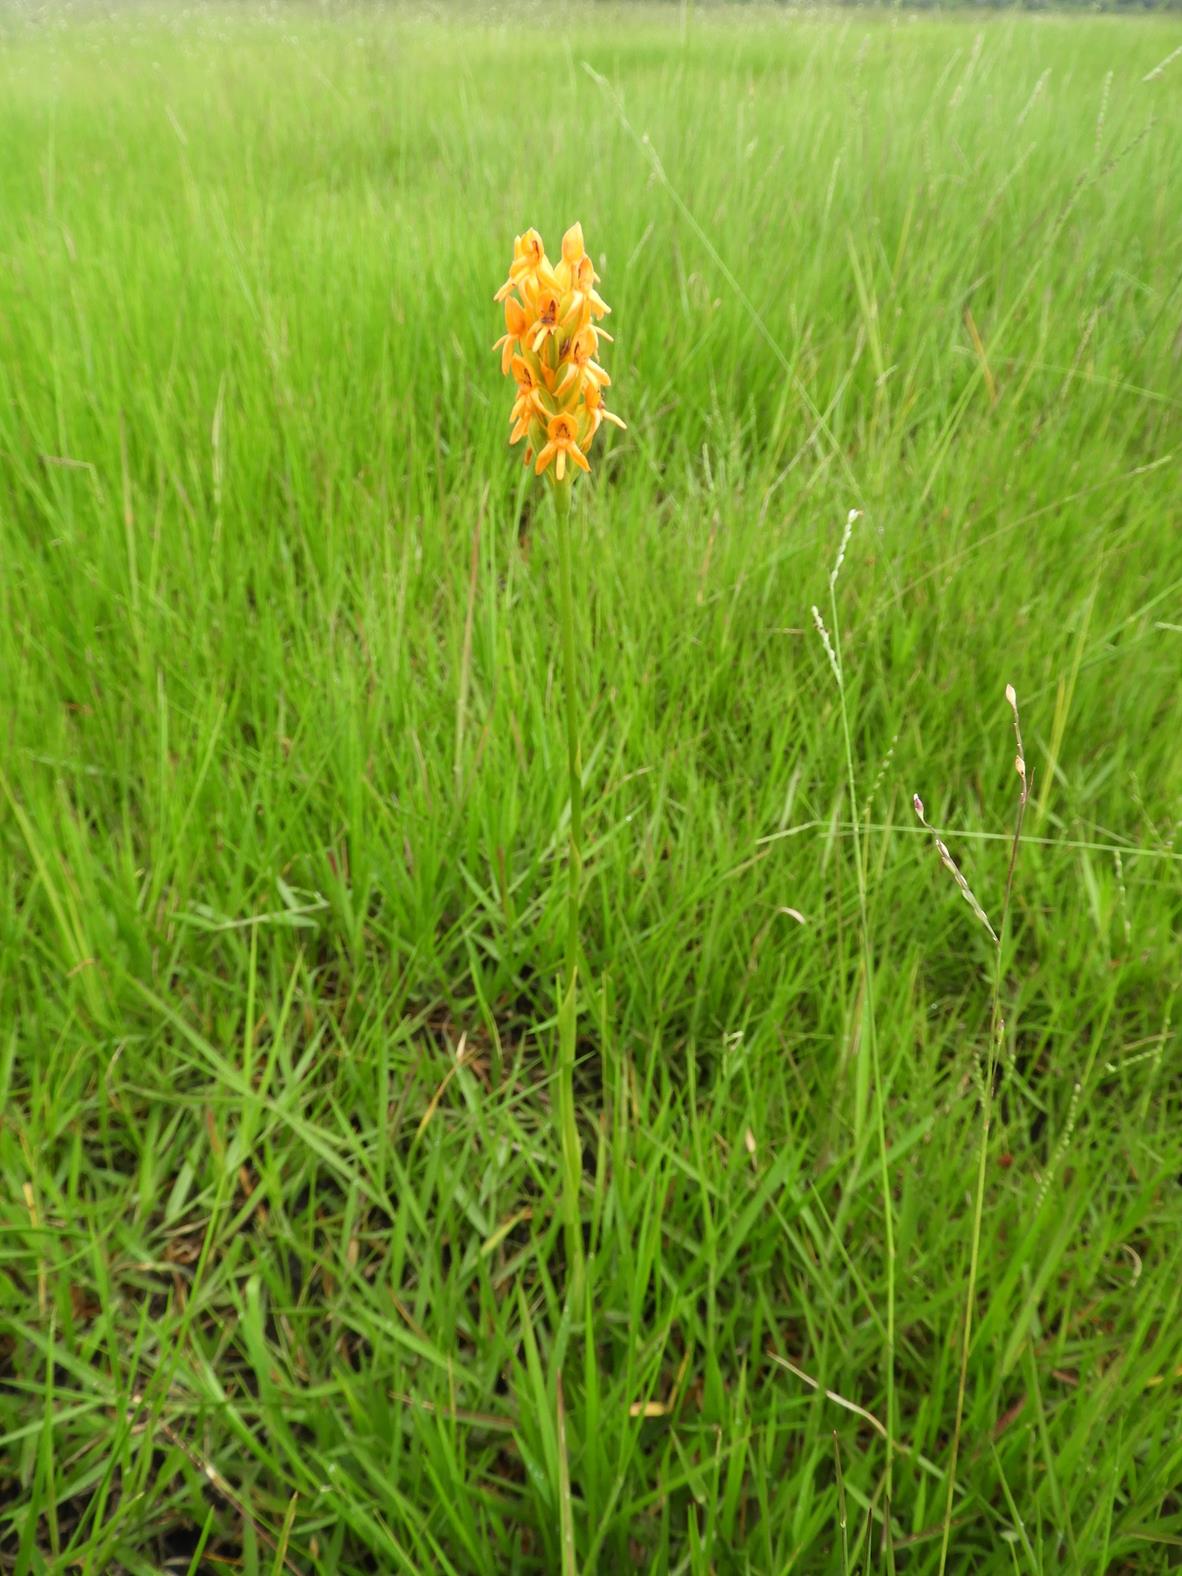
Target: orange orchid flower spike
x=550 y=348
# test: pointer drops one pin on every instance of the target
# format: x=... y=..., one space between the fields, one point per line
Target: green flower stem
x=568 y=1007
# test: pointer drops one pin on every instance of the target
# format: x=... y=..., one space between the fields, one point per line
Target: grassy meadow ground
x=283 y=801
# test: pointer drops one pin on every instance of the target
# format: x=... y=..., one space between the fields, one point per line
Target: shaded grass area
x=283 y=804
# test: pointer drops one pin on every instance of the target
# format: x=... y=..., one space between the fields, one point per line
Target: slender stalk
x=997 y=1031
x=568 y=1007
x=888 y=1217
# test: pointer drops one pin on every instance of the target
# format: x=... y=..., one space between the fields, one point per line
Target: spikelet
x=550 y=349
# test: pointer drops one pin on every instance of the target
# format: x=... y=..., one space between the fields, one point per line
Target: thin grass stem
x=997 y=1031
x=837 y=663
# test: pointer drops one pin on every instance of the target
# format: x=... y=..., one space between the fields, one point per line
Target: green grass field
x=284 y=1284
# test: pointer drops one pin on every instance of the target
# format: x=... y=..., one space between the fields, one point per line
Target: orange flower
x=578 y=356
x=516 y=324
x=529 y=269
x=528 y=405
x=585 y=277
x=598 y=413
x=547 y=306
x=573 y=253
x=549 y=347
x=563 y=436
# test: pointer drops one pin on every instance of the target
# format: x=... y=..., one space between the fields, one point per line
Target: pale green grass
x=282 y=805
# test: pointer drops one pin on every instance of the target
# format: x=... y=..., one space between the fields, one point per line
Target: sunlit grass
x=284 y=812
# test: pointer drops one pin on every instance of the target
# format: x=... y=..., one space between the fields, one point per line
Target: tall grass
x=283 y=803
